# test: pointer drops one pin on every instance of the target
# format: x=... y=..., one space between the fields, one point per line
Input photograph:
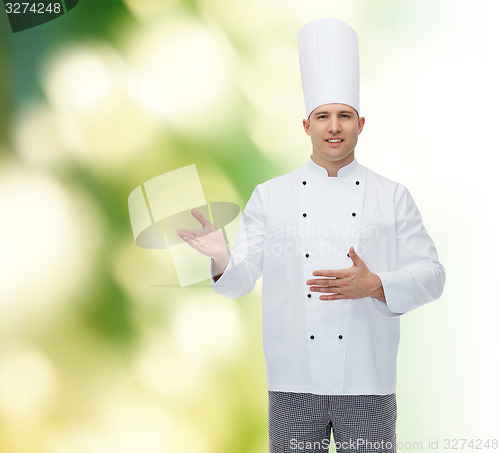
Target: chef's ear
x=306 y=125
x=361 y=124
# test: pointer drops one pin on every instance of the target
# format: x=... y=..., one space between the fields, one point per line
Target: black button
x=353 y=214
x=309 y=296
x=340 y=337
x=307 y=255
x=312 y=337
x=304 y=215
x=303 y=182
x=347 y=253
x=357 y=183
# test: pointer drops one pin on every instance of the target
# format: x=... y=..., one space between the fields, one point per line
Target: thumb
x=356 y=260
x=200 y=217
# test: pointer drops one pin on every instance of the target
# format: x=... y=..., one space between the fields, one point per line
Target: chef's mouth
x=334 y=140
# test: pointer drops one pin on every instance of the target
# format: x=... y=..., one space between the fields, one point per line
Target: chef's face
x=334 y=130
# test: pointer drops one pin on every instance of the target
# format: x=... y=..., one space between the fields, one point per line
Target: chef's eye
x=321 y=117
x=345 y=115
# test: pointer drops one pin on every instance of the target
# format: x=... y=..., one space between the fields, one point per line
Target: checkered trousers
x=302 y=422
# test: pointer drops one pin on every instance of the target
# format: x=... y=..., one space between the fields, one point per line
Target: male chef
x=343 y=254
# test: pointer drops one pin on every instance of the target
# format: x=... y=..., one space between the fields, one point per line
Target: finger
x=322 y=281
x=187 y=237
x=324 y=289
x=197 y=245
x=186 y=230
x=356 y=260
x=336 y=273
x=186 y=233
x=200 y=217
x=333 y=297
x=200 y=246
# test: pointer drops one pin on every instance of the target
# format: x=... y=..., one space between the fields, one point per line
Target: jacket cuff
x=220 y=282
x=398 y=298
x=383 y=309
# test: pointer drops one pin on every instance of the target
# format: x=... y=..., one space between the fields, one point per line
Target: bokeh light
x=48 y=245
x=185 y=72
x=89 y=87
x=29 y=383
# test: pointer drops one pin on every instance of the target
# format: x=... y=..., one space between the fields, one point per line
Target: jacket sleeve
x=419 y=277
x=247 y=254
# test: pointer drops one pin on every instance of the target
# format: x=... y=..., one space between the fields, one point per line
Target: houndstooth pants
x=302 y=422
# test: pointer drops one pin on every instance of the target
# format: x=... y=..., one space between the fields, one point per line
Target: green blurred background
x=101 y=351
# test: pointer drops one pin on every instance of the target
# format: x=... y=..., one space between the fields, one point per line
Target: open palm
x=208 y=240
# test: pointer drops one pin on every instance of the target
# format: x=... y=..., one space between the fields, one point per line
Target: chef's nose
x=334 y=125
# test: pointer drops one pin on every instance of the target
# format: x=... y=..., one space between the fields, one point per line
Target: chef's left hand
x=354 y=282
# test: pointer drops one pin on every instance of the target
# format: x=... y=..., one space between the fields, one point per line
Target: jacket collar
x=345 y=171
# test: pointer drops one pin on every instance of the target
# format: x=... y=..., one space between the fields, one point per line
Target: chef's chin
x=334 y=155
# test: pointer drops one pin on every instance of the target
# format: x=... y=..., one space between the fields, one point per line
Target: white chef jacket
x=305 y=221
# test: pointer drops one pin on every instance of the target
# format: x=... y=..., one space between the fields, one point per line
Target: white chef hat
x=329 y=64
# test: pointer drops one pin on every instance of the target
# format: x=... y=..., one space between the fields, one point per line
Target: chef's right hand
x=208 y=240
